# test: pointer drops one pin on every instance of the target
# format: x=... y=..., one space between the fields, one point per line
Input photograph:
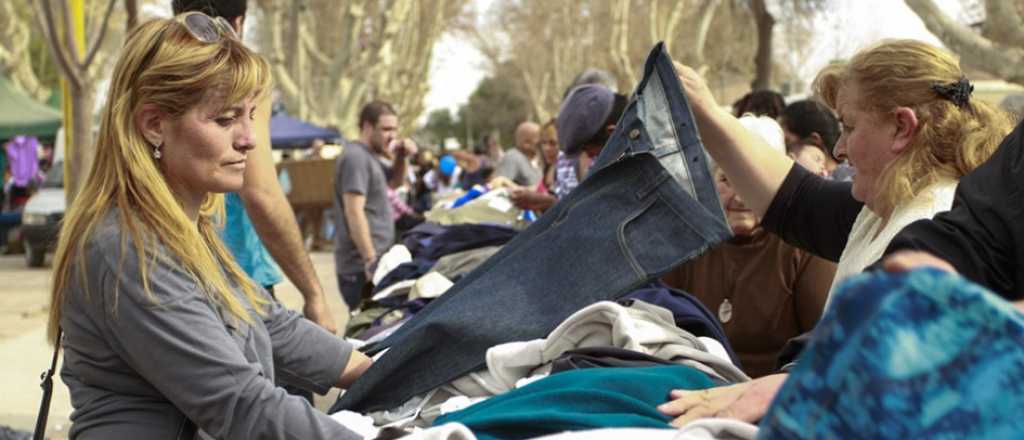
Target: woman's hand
x=498 y=182
x=702 y=102
x=526 y=199
x=316 y=310
x=904 y=261
x=746 y=402
x=357 y=364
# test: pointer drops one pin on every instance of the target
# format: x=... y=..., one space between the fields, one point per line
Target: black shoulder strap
x=187 y=432
x=47 y=385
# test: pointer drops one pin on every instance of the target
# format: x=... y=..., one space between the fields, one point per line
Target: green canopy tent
x=21 y=115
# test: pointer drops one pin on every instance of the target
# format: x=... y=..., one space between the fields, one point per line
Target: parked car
x=41 y=217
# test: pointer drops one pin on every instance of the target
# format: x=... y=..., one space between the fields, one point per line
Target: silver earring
x=156 y=152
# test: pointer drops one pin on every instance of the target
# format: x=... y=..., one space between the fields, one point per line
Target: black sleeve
x=791 y=351
x=813 y=213
x=983 y=235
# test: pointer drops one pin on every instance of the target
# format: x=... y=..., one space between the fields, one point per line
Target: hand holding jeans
x=524 y=198
x=702 y=101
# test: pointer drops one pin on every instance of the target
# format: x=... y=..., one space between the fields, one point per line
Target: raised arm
x=466 y=160
x=274 y=221
x=404 y=149
x=755 y=170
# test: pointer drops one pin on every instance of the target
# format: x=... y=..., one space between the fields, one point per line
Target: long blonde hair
x=951 y=141
x=164 y=65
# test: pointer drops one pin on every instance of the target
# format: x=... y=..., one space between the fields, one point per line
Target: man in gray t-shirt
x=518 y=164
x=365 y=227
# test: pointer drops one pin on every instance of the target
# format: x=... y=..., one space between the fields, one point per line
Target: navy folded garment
x=688 y=312
x=463 y=237
x=604 y=357
x=420 y=235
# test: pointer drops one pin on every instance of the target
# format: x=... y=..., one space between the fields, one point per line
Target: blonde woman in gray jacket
x=164 y=335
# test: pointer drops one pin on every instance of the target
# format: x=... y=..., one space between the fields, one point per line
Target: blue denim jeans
x=648 y=205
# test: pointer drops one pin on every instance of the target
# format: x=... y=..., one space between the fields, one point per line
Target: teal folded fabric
x=578 y=400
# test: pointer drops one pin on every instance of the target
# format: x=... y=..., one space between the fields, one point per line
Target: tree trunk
x=83 y=151
x=706 y=14
x=74 y=65
x=620 y=41
x=763 y=59
x=297 y=60
x=1003 y=23
x=131 y=9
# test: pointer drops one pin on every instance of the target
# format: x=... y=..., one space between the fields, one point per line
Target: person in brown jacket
x=763 y=290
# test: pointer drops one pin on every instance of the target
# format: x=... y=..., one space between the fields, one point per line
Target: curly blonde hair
x=951 y=140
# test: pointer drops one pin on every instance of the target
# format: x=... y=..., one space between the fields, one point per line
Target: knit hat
x=763 y=127
x=767 y=129
x=582 y=116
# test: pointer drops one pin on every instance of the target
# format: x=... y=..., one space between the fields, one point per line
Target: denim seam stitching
x=690 y=225
x=652 y=185
x=622 y=238
x=565 y=212
x=682 y=217
x=673 y=122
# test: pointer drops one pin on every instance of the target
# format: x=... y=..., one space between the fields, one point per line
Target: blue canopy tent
x=288 y=132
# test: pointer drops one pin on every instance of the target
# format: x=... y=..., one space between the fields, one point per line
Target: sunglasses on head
x=200 y=26
x=205 y=28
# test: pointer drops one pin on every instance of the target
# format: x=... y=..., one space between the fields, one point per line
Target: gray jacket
x=140 y=366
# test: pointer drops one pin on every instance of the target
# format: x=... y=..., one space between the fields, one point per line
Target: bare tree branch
x=1003 y=22
x=43 y=12
x=763 y=60
x=654 y=20
x=131 y=8
x=1005 y=62
x=94 y=45
x=620 y=41
x=673 y=23
x=69 y=31
x=309 y=44
x=705 y=14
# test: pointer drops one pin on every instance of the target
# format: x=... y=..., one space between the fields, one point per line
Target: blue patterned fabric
x=924 y=354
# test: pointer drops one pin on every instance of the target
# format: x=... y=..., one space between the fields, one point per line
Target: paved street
x=24 y=353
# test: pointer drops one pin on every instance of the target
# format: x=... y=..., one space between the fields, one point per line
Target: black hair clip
x=958 y=92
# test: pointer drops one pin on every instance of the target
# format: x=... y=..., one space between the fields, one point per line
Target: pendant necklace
x=725 y=311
